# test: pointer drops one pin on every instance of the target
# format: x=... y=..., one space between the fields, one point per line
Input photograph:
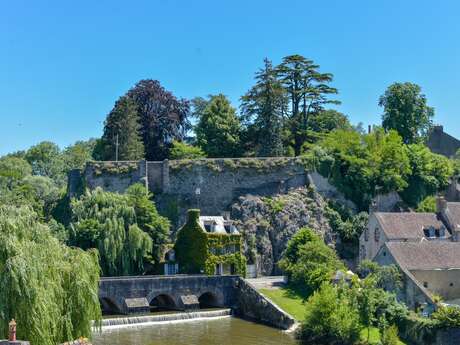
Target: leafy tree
x=49 y=288
x=13 y=169
x=427 y=205
x=181 y=150
x=406 y=111
x=148 y=219
x=430 y=172
x=330 y=318
x=309 y=262
x=107 y=221
x=75 y=156
x=46 y=160
x=328 y=120
x=218 y=129
x=163 y=117
x=264 y=106
x=42 y=194
x=308 y=91
x=122 y=127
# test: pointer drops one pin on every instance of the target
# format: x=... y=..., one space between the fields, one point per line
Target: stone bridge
x=180 y=292
x=126 y=295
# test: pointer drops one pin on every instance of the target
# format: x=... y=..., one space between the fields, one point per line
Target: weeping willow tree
x=107 y=221
x=50 y=289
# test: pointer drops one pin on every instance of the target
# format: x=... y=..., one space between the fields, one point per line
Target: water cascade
x=173 y=317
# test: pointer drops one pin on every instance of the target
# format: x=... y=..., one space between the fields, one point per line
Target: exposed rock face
x=269 y=223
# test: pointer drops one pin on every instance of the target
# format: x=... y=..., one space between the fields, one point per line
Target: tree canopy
x=405 y=110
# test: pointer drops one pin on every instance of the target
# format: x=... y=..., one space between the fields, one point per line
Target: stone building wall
x=442 y=143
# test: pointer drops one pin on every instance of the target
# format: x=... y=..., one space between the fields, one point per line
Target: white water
x=147 y=320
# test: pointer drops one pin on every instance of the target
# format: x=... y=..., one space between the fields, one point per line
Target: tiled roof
x=426 y=255
x=408 y=225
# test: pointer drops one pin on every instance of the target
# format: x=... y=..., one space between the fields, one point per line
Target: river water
x=218 y=331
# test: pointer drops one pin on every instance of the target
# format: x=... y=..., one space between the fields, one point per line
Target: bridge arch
x=209 y=300
x=163 y=302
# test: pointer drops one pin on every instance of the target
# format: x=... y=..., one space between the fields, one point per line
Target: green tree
x=330 y=318
x=309 y=262
x=308 y=91
x=180 y=150
x=122 y=128
x=75 y=156
x=218 y=130
x=264 y=106
x=46 y=160
x=430 y=173
x=107 y=221
x=328 y=120
x=406 y=111
x=148 y=219
x=50 y=289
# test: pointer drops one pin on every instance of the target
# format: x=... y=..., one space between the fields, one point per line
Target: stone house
x=426 y=248
x=210 y=245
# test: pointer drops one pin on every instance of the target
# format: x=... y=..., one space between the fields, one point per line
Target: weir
x=152 y=319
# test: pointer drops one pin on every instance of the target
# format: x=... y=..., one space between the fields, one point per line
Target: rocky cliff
x=268 y=223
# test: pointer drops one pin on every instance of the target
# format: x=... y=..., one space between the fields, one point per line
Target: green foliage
x=427 y=205
x=330 y=318
x=122 y=128
x=328 y=120
x=308 y=92
x=349 y=227
x=390 y=336
x=191 y=247
x=46 y=160
x=148 y=219
x=107 y=221
x=430 y=172
x=406 y=111
x=309 y=262
x=50 y=289
x=200 y=252
x=181 y=150
x=218 y=130
x=77 y=155
x=263 y=107
x=388 y=277
x=447 y=317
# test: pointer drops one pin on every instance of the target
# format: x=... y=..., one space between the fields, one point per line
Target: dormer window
x=209 y=226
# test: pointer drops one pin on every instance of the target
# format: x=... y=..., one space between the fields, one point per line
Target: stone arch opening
x=208 y=300
x=162 y=302
x=108 y=306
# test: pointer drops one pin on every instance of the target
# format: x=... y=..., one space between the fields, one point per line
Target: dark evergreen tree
x=263 y=107
x=122 y=128
x=218 y=130
x=163 y=117
x=308 y=91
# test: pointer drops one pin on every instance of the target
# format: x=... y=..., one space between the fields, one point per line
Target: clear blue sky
x=64 y=63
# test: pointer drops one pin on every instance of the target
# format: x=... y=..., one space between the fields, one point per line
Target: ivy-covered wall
x=199 y=252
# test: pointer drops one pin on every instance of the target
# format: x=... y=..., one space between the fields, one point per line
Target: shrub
x=330 y=318
x=182 y=150
x=390 y=336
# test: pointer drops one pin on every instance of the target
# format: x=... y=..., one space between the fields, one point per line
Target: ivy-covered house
x=210 y=245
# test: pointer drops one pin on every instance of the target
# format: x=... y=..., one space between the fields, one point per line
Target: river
x=218 y=331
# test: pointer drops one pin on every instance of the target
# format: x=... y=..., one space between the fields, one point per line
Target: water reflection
x=231 y=331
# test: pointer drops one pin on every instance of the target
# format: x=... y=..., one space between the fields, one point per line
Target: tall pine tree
x=122 y=128
x=308 y=91
x=263 y=106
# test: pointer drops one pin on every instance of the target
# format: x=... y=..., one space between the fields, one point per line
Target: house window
x=366 y=234
x=451 y=284
x=425 y=284
x=384 y=253
x=377 y=234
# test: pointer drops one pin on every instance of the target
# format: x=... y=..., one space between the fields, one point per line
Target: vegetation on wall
x=200 y=252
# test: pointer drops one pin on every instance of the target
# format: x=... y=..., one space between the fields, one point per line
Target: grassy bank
x=294 y=306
